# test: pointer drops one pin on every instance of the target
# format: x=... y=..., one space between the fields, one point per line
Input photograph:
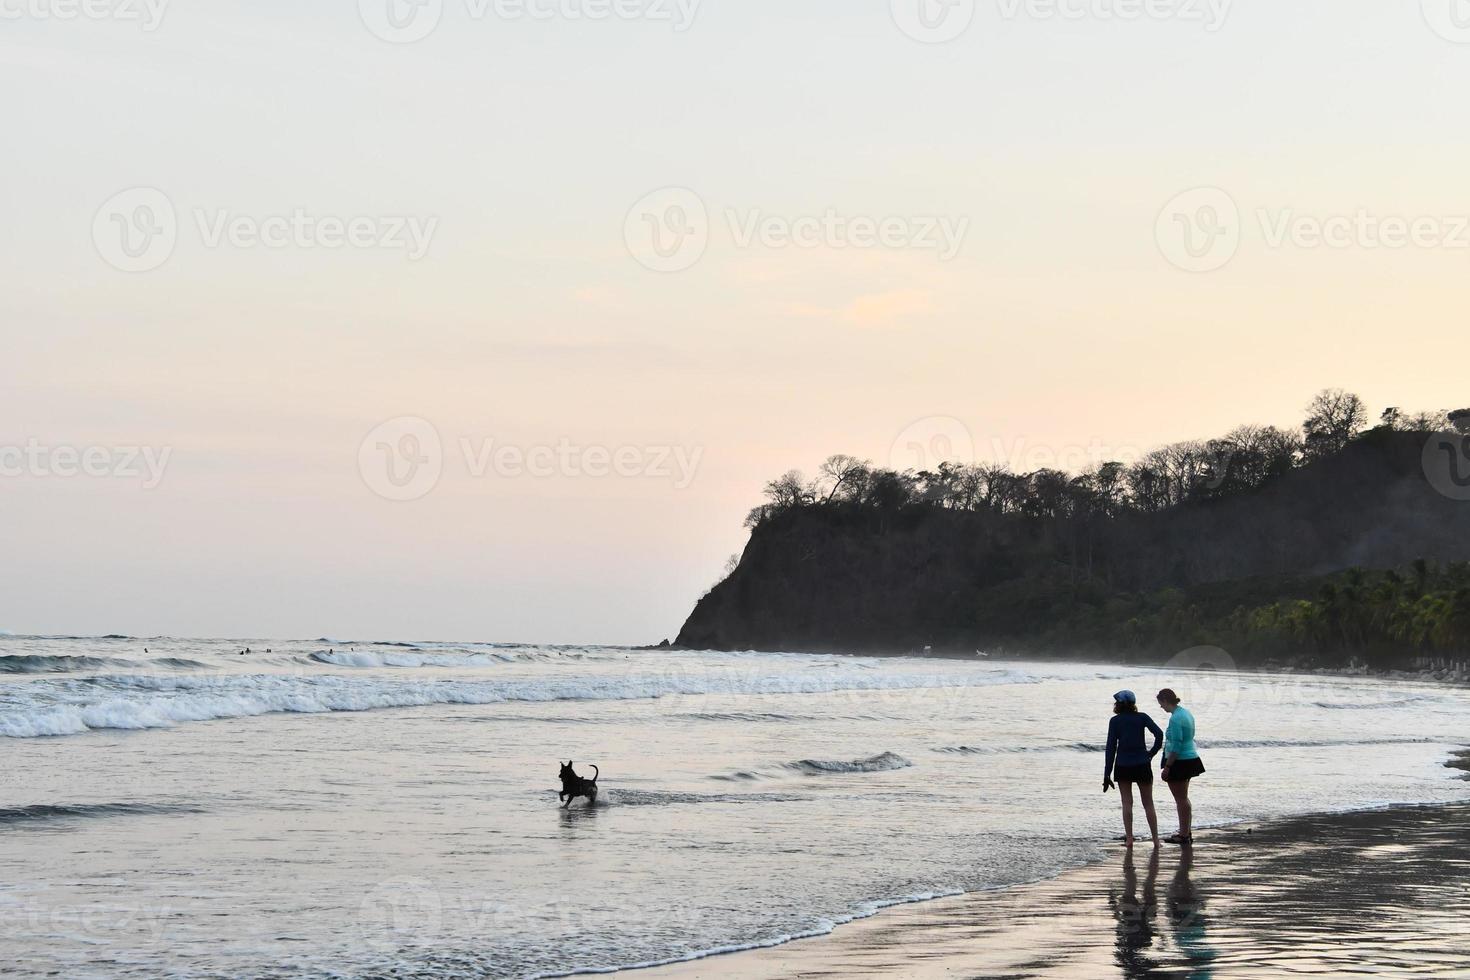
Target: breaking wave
x=883 y=762
x=44 y=811
x=38 y=664
x=367 y=658
x=44 y=664
x=143 y=701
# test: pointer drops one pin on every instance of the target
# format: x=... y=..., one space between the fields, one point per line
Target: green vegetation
x=1244 y=460
x=1325 y=546
x=1378 y=618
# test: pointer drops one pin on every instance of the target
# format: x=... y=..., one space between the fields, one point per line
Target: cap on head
x=1127 y=697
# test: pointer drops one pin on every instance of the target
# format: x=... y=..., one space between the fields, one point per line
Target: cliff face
x=827 y=577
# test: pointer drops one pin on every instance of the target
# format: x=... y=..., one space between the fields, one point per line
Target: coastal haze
x=356 y=809
x=1036 y=288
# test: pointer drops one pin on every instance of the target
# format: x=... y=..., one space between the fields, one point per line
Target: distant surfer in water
x=1181 y=762
x=1133 y=760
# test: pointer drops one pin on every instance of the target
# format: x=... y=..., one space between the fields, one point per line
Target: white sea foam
x=143 y=701
x=883 y=762
x=748 y=847
x=407 y=658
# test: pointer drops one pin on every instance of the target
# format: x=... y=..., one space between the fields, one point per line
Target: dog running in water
x=573 y=786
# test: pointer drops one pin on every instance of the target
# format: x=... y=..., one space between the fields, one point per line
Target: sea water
x=340 y=809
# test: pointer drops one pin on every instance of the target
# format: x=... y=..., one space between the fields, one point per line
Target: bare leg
x=1125 y=792
x=1180 y=789
x=1146 y=793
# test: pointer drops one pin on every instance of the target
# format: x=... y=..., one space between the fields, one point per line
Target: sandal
x=1176 y=839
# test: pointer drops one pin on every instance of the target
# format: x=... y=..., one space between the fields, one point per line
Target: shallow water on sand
x=352 y=809
x=1368 y=893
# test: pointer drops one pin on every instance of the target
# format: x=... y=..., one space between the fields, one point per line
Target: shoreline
x=1425 y=676
x=1056 y=926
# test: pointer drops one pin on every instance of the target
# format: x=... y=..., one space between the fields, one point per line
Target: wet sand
x=1380 y=892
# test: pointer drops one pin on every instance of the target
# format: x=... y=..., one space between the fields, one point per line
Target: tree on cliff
x=1222 y=541
x=1333 y=418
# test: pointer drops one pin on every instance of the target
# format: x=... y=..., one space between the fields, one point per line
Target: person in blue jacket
x=1126 y=748
x=1181 y=762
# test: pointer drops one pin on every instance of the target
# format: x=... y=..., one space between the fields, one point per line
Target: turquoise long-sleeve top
x=1179 y=737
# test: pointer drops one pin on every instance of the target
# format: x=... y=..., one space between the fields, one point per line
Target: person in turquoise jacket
x=1181 y=762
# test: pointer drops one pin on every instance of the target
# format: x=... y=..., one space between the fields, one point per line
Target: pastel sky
x=1097 y=301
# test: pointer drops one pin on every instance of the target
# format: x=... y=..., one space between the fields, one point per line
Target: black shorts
x=1133 y=774
x=1185 y=769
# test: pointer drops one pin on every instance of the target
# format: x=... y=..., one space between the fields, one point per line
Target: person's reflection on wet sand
x=1135 y=915
x=1185 y=908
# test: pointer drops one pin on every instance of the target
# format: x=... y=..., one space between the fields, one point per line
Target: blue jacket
x=1126 y=743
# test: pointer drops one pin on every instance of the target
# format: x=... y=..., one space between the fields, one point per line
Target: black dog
x=573 y=786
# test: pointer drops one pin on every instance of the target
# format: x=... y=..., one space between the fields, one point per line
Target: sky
x=489 y=319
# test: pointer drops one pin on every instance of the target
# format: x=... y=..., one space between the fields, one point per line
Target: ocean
x=327 y=808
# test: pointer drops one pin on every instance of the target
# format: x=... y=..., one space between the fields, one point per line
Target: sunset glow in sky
x=495 y=333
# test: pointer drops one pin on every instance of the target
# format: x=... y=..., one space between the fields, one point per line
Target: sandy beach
x=1375 y=892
